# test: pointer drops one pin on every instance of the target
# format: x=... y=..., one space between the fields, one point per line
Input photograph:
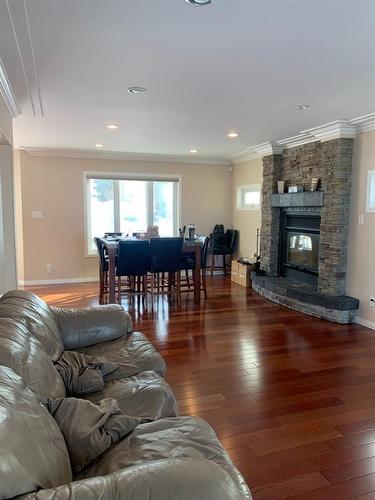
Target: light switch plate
x=37 y=214
x=361 y=219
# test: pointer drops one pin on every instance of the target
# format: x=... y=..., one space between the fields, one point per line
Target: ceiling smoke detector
x=300 y=107
x=199 y=2
x=137 y=90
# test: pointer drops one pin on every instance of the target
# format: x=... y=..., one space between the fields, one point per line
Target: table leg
x=197 y=275
x=112 y=275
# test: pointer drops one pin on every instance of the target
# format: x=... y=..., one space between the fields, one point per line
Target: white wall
x=361 y=252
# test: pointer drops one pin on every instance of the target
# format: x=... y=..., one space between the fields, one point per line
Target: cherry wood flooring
x=292 y=398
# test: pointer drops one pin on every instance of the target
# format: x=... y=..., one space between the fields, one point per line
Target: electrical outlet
x=37 y=214
x=49 y=268
x=372 y=301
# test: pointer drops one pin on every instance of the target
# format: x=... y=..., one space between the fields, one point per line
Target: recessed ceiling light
x=98 y=145
x=112 y=126
x=232 y=135
x=194 y=151
x=199 y=2
x=137 y=90
x=300 y=107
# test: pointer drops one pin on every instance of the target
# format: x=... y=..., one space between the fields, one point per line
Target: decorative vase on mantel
x=280 y=187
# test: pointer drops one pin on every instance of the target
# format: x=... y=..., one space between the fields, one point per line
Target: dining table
x=112 y=244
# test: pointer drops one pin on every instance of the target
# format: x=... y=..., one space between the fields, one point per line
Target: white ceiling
x=237 y=64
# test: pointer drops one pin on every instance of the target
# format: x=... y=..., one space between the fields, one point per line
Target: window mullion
x=150 y=203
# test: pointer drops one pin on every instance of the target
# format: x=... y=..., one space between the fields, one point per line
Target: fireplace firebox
x=299 y=252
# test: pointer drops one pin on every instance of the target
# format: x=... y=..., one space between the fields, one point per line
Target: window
x=371 y=191
x=129 y=205
x=248 y=197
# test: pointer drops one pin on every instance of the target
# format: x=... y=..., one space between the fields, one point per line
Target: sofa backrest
x=33 y=451
x=39 y=320
x=25 y=355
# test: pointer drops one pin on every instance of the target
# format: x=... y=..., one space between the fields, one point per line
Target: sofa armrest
x=177 y=479
x=92 y=325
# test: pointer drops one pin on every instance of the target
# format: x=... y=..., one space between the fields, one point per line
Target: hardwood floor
x=292 y=398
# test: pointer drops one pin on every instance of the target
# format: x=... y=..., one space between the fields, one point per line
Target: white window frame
x=242 y=190
x=370 y=181
x=177 y=209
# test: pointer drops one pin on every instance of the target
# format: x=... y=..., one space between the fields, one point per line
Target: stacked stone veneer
x=330 y=161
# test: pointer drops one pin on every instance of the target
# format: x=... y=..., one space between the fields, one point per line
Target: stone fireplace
x=304 y=236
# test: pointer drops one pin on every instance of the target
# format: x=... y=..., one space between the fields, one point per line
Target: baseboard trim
x=57 y=281
x=365 y=322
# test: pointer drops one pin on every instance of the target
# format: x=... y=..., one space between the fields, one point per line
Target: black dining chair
x=165 y=259
x=133 y=263
x=103 y=269
x=188 y=265
x=222 y=244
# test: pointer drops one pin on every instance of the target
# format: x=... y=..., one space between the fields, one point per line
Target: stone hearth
x=331 y=162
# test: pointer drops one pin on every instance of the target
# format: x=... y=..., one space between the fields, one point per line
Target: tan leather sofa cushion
x=163 y=440
x=33 y=453
x=133 y=352
x=91 y=325
x=37 y=316
x=177 y=479
x=26 y=356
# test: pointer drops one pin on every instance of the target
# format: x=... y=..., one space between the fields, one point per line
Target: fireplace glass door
x=303 y=250
x=300 y=247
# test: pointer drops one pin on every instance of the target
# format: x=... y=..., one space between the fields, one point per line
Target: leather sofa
x=168 y=457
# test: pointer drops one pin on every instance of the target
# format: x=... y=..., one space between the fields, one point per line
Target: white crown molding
x=258 y=151
x=269 y=148
x=297 y=140
x=243 y=156
x=339 y=129
x=6 y=91
x=116 y=155
x=364 y=123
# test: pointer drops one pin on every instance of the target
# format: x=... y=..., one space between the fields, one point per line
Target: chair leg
x=178 y=281
x=224 y=265
x=101 y=286
x=144 y=290
x=212 y=264
x=119 y=288
x=187 y=278
x=152 y=290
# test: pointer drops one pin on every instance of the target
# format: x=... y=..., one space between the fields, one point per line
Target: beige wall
x=246 y=221
x=361 y=254
x=55 y=186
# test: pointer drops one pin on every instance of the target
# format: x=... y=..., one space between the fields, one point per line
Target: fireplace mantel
x=306 y=199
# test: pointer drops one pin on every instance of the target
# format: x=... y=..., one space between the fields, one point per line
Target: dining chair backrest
x=231 y=239
x=218 y=241
x=165 y=254
x=218 y=228
x=101 y=254
x=133 y=258
x=204 y=241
